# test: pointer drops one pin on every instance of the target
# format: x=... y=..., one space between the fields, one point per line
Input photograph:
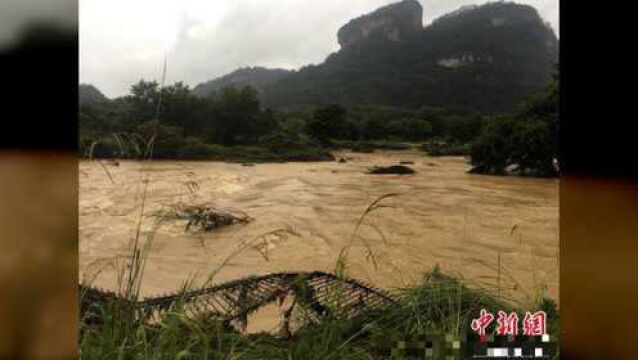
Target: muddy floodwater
x=306 y=213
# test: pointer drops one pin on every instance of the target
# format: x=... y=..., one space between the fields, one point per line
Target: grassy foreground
x=438 y=305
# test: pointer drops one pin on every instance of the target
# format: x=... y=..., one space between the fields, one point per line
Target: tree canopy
x=527 y=139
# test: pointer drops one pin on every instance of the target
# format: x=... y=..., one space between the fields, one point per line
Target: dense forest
x=171 y=122
x=185 y=124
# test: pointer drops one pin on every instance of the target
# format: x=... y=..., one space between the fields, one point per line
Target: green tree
x=532 y=147
x=492 y=151
x=417 y=129
x=528 y=139
x=237 y=117
x=164 y=141
x=438 y=117
x=374 y=128
x=143 y=101
x=293 y=125
x=180 y=108
x=327 y=123
x=464 y=129
x=545 y=107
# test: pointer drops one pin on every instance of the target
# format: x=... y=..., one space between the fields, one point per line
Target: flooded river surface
x=306 y=213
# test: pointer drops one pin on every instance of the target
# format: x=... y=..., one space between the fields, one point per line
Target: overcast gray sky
x=15 y=14
x=122 y=41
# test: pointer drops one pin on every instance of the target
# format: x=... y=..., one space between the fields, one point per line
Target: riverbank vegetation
x=526 y=139
x=232 y=125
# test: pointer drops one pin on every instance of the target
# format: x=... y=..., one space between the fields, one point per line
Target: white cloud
x=122 y=41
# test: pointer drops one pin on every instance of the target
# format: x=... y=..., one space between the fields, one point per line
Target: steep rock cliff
x=393 y=22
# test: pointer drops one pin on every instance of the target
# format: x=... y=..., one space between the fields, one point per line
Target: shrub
x=196 y=150
x=439 y=148
x=280 y=140
x=492 y=151
x=362 y=147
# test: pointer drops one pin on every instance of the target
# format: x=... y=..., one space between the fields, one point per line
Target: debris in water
x=210 y=218
x=395 y=169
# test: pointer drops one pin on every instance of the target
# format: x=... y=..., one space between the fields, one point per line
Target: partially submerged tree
x=529 y=138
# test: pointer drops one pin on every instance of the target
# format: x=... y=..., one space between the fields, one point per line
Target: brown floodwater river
x=306 y=213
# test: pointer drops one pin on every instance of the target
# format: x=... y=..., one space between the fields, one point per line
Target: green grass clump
x=439 y=304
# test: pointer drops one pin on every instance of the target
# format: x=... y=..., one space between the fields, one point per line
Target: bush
x=362 y=147
x=197 y=150
x=412 y=129
x=389 y=145
x=528 y=139
x=370 y=146
x=533 y=149
x=526 y=143
x=280 y=140
x=439 y=148
x=492 y=151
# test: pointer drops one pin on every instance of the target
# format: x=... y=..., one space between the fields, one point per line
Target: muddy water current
x=495 y=232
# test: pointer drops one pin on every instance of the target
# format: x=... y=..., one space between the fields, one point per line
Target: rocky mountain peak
x=392 y=22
